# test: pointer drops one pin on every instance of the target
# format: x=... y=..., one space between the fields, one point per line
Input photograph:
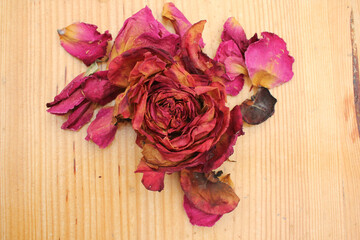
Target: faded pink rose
x=84 y=42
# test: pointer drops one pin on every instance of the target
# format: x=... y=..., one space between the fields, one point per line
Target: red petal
x=198 y=217
x=83 y=41
x=142 y=30
x=68 y=104
x=224 y=148
x=80 y=116
x=153 y=181
x=102 y=131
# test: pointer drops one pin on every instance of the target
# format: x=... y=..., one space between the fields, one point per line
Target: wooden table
x=297 y=175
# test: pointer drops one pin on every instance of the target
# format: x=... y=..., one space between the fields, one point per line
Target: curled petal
x=102 y=130
x=268 y=61
x=83 y=41
x=98 y=88
x=179 y=21
x=153 y=181
x=198 y=217
x=224 y=148
x=142 y=30
x=80 y=116
x=67 y=104
x=208 y=194
x=259 y=108
x=233 y=31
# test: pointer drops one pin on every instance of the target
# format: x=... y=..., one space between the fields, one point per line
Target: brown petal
x=259 y=108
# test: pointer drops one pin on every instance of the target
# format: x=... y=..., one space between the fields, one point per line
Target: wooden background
x=297 y=175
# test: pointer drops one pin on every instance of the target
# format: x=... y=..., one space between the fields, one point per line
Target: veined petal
x=83 y=41
x=102 y=130
x=268 y=61
x=80 y=116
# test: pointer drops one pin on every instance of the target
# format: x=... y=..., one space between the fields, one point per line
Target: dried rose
x=84 y=42
x=142 y=30
x=80 y=97
x=206 y=198
x=181 y=122
x=259 y=108
x=268 y=61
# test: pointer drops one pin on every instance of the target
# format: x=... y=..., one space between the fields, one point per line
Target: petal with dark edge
x=80 y=116
x=259 y=108
x=198 y=217
x=212 y=197
x=268 y=61
x=102 y=130
x=179 y=21
x=142 y=30
x=224 y=148
x=153 y=181
x=84 y=42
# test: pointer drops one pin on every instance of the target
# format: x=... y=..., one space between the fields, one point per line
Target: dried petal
x=153 y=181
x=227 y=49
x=212 y=197
x=268 y=61
x=80 y=116
x=198 y=217
x=234 y=87
x=235 y=66
x=259 y=108
x=102 y=130
x=98 y=89
x=224 y=148
x=83 y=41
x=68 y=104
x=179 y=21
x=142 y=30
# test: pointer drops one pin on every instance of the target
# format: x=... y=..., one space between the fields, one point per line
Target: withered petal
x=210 y=197
x=84 y=42
x=80 y=116
x=153 y=181
x=102 y=130
x=259 y=108
x=64 y=106
x=198 y=217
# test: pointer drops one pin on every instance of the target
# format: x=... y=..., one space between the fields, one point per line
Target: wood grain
x=297 y=175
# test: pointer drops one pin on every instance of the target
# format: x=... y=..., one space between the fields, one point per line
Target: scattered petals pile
x=175 y=97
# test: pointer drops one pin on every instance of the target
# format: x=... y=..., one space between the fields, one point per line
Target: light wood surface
x=297 y=175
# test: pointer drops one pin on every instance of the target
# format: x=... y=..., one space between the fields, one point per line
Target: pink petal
x=83 y=41
x=235 y=66
x=68 y=90
x=234 y=31
x=153 y=181
x=268 y=61
x=102 y=130
x=225 y=50
x=80 y=116
x=179 y=21
x=224 y=148
x=68 y=104
x=98 y=88
x=233 y=87
x=142 y=30
x=198 y=217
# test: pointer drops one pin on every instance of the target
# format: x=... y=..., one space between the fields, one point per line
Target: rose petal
x=83 y=41
x=102 y=131
x=198 y=217
x=227 y=49
x=142 y=30
x=224 y=148
x=235 y=66
x=68 y=104
x=268 y=61
x=234 y=31
x=68 y=90
x=80 y=116
x=179 y=21
x=259 y=108
x=98 y=88
x=234 y=87
x=153 y=181
x=212 y=197
x=121 y=67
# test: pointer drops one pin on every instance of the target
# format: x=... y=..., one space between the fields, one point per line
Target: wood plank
x=297 y=175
